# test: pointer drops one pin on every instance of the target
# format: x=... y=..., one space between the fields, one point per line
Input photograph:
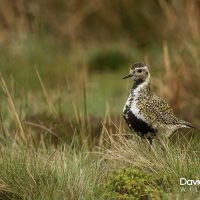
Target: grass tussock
x=177 y=159
x=27 y=173
x=171 y=159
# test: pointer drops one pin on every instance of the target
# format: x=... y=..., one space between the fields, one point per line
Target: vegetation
x=62 y=135
x=27 y=173
x=131 y=183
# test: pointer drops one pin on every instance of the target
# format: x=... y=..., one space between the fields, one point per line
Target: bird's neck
x=141 y=85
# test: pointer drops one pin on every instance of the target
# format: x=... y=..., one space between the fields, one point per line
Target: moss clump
x=131 y=183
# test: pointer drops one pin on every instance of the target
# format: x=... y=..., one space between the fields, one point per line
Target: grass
x=177 y=160
x=75 y=172
x=29 y=173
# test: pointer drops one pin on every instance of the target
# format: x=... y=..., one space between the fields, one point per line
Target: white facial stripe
x=145 y=67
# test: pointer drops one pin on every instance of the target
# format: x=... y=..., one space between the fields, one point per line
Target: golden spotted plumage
x=154 y=109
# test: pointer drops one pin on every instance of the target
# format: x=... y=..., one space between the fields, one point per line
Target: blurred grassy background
x=71 y=42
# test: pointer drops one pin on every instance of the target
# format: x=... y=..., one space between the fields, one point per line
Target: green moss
x=131 y=183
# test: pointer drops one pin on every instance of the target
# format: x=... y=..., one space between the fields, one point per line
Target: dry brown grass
x=172 y=160
x=47 y=97
x=11 y=105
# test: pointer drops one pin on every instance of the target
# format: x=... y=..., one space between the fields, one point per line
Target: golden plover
x=144 y=112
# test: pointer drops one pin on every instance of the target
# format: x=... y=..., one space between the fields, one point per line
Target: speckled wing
x=161 y=112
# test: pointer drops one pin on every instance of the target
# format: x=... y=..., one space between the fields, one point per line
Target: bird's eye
x=139 y=70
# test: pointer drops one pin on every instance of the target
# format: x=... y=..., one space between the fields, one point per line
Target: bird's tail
x=188 y=125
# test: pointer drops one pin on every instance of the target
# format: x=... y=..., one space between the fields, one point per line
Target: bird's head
x=138 y=71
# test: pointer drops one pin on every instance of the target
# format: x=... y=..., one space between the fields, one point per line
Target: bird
x=145 y=113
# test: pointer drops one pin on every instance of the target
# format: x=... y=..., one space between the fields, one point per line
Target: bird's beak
x=127 y=76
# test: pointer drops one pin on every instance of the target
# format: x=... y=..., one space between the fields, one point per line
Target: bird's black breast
x=138 y=125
